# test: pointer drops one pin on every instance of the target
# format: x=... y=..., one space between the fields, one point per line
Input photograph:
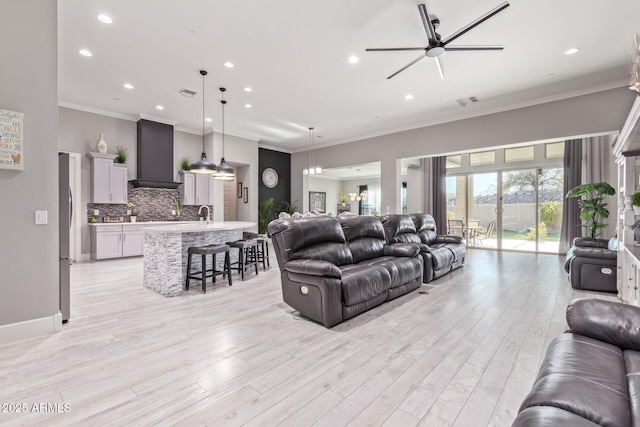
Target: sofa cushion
x=442 y=256
x=364 y=235
x=607 y=321
x=335 y=253
x=632 y=364
x=401 y=269
x=584 y=376
x=399 y=229
x=428 y=237
x=361 y=282
x=549 y=416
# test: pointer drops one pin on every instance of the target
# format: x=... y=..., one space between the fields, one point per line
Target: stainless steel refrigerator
x=65 y=211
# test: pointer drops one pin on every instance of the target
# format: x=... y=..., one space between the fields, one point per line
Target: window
x=482 y=158
x=454 y=161
x=519 y=154
x=554 y=150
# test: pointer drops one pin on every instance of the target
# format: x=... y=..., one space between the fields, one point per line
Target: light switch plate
x=41 y=217
x=96 y=212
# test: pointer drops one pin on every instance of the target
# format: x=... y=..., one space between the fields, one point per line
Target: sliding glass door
x=519 y=210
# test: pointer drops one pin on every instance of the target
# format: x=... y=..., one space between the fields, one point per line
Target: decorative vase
x=133 y=218
x=101 y=145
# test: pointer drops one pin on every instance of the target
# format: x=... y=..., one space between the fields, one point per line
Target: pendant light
x=225 y=172
x=311 y=170
x=203 y=165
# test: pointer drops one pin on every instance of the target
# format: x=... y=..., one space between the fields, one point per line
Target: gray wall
x=29 y=84
x=598 y=112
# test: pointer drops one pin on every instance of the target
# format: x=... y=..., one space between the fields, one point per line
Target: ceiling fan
x=437 y=46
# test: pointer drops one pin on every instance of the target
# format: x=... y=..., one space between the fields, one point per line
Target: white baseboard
x=31 y=328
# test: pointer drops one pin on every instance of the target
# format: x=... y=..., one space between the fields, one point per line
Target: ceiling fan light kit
x=436 y=45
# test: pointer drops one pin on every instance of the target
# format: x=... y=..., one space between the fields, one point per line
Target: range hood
x=155 y=155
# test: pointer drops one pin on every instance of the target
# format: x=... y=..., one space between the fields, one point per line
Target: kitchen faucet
x=208 y=213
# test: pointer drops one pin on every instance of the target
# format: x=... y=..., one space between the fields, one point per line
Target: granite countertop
x=198 y=226
x=108 y=224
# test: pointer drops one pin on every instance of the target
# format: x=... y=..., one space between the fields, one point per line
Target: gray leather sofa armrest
x=608 y=321
x=313 y=267
x=586 y=242
x=448 y=239
x=402 y=250
x=591 y=252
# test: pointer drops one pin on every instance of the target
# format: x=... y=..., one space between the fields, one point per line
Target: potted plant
x=201 y=214
x=343 y=199
x=266 y=214
x=176 y=207
x=636 y=203
x=185 y=164
x=287 y=207
x=133 y=216
x=591 y=204
x=121 y=154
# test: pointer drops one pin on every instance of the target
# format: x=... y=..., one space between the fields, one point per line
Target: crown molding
x=157 y=119
x=92 y=110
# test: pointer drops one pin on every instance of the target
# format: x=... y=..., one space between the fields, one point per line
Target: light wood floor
x=463 y=354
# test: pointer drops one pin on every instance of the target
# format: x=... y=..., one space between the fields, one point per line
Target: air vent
x=465 y=101
x=186 y=92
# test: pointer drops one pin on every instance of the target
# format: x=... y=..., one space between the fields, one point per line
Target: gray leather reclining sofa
x=335 y=268
x=592 y=264
x=440 y=253
x=590 y=375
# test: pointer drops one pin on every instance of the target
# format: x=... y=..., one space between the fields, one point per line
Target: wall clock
x=270 y=177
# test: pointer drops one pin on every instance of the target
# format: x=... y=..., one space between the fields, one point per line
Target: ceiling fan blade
x=439 y=65
x=475 y=23
x=467 y=48
x=385 y=49
x=428 y=26
x=407 y=66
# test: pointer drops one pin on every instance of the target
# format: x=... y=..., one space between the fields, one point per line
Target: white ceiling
x=293 y=54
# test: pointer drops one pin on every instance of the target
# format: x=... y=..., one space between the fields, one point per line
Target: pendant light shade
x=203 y=165
x=225 y=172
x=311 y=170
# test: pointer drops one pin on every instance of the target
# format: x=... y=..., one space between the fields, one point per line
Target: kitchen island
x=166 y=246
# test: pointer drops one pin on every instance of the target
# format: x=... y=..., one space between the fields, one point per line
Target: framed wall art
x=245 y=195
x=318 y=201
x=239 y=190
x=11 y=152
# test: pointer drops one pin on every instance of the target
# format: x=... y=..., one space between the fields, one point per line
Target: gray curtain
x=571 y=224
x=596 y=167
x=439 y=168
x=428 y=185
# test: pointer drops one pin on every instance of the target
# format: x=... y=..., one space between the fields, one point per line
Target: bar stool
x=204 y=272
x=262 y=248
x=247 y=255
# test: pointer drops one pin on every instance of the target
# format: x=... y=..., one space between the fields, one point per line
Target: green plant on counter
x=93 y=220
x=176 y=206
x=121 y=154
x=266 y=214
x=636 y=199
x=591 y=204
x=185 y=163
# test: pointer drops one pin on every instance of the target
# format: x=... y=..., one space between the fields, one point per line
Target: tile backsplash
x=150 y=204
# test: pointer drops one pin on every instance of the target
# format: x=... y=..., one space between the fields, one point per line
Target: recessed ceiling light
x=247 y=89
x=159 y=107
x=408 y=97
x=208 y=119
x=105 y=18
x=85 y=52
x=128 y=86
x=228 y=64
x=247 y=105
x=354 y=59
x=571 y=51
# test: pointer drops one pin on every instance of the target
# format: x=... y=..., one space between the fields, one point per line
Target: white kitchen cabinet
x=132 y=240
x=116 y=241
x=108 y=179
x=196 y=188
